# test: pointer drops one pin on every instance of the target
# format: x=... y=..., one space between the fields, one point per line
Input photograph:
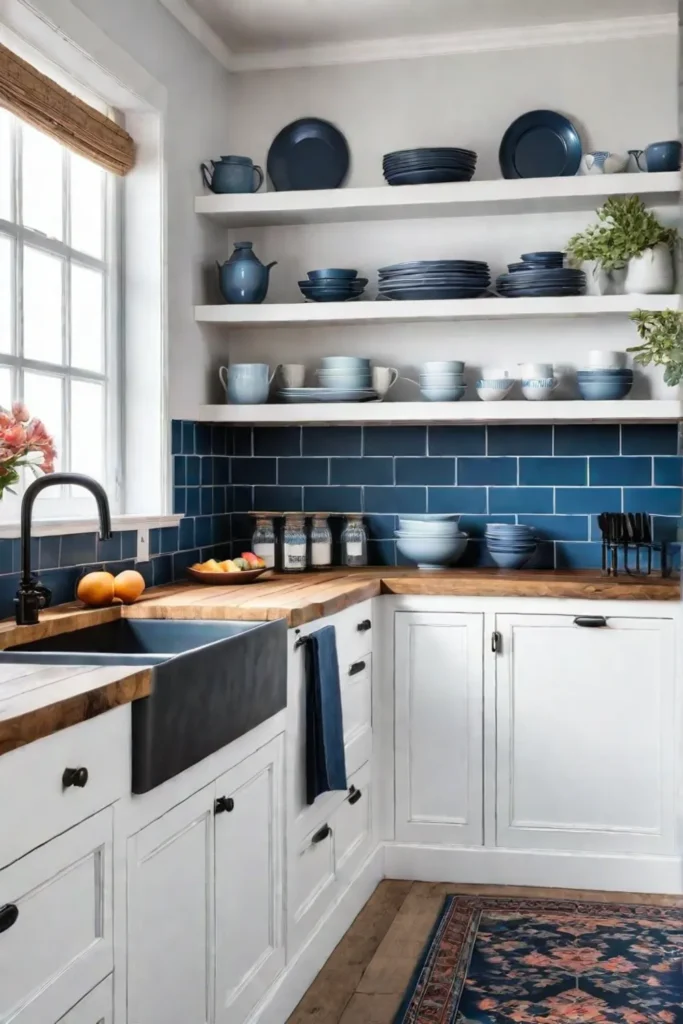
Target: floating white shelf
x=390 y=413
x=276 y=314
x=471 y=198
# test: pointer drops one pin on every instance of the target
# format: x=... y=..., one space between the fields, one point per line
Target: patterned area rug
x=519 y=961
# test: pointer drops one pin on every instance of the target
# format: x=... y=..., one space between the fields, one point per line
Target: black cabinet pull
x=354 y=795
x=321 y=834
x=8 y=915
x=75 y=777
x=224 y=803
x=364 y=626
x=357 y=667
x=590 y=621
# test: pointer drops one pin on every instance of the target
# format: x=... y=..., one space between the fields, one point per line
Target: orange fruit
x=128 y=586
x=96 y=589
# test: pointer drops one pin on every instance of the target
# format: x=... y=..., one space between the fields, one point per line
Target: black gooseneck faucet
x=33 y=595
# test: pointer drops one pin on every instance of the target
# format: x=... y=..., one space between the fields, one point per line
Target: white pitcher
x=650 y=273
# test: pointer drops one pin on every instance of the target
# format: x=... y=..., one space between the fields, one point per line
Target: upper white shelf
x=471 y=198
x=390 y=413
x=274 y=314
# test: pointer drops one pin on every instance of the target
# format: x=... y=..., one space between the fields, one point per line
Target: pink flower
x=20 y=412
x=14 y=438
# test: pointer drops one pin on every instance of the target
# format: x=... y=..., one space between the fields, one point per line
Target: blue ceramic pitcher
x=232 y=174
x=243 y=278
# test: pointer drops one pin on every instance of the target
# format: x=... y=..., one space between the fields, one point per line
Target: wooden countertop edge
x=36 y=723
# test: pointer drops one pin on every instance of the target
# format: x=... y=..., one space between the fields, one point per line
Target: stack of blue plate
x=540 y=274
x=509 y=545
x=429 y=166
x=604 y=385
x=333 y=285
x=434 y=279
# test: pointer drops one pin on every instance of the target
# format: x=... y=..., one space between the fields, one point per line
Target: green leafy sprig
x=662 y=335
x=626 y=229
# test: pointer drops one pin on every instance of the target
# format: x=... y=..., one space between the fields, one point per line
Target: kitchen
x=470 y=770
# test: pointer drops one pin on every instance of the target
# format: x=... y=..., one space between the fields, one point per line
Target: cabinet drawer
x=96 y=1008
x=37 y=806
x=356 y=694
x=59 y=945
x=354 y=638
x=311 y=884
x=352 y=824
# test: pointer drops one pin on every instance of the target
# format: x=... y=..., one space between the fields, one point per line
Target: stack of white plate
x=341 y=379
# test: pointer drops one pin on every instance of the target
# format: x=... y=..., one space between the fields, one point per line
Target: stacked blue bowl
x=433 y=541
x=604 y=385
x=434 y=279
x=429 y=166
x=333 y=284
x=510 y=546
x=540 y=274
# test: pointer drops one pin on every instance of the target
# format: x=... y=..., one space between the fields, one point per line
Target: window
x=59 y=303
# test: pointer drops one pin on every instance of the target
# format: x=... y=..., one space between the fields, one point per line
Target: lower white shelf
x=651 y=411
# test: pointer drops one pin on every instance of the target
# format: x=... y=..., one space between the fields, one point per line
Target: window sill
x=60 y=527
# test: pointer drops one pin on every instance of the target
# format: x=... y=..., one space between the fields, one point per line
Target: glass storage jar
x=263 y=540
x=354 y=542
x=294 y=543
x=321 y=542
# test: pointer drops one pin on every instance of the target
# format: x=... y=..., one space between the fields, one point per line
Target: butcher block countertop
x=38 y=700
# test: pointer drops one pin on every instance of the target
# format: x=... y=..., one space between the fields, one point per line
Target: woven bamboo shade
x=35 y=98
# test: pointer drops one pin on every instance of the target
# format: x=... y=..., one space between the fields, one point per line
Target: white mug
x=246 y=383
x=383 y=378
x=536 y=371
x=293 y=374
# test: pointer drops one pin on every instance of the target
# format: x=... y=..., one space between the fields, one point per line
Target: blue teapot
x=243 y=278
x=232 y=174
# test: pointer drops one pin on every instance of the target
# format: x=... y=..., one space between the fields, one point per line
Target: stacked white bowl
x=495 y=384
x=443 y=380
x=509 y=545
x=433 y=541
x=538 y=381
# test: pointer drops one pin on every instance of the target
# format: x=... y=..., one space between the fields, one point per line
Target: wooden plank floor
x=364 y=979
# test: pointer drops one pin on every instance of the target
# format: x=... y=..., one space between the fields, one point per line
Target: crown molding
x=407 y=48
x=197 y=27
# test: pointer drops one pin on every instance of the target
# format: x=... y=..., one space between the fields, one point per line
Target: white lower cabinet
x=250 y=951
x=56 y=923
x=438 y=730
x=586 y=733
x=205 y=892
x=95 y=1008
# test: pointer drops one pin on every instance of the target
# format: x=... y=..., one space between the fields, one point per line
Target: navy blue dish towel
x=325 y=760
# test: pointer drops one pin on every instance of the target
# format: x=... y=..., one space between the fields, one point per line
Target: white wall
x=198 y=113
x=620 y=95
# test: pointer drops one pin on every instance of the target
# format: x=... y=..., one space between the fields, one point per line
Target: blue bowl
x=542 y=256
x=332 y=273
x=510 y=560
x=603 y=390
x=447 y=394
x=431 y=552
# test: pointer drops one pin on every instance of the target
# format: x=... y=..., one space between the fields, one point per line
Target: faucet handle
x=44 y=595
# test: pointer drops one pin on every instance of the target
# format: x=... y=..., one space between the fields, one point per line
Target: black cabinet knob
x=354 y=795
x=8 y=915
x=75 y=777
x=364 y=626
x=591 y=621
x=321 y=834
x=224 y=803
x=357 y=667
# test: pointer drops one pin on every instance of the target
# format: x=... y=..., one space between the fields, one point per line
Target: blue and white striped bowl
x=498 y=385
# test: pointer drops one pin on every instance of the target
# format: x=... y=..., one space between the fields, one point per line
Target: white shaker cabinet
x=586 y=733
x=170 y=915
x=439 y=706
x=95 y=1008
x=249 y=849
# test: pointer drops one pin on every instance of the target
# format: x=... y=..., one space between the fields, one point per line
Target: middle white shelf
x=274 y=314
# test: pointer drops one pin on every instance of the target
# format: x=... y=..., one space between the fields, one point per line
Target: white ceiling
x=247 y=26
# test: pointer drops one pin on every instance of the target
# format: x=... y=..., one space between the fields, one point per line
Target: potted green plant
x=627 y=250
x=661 y=332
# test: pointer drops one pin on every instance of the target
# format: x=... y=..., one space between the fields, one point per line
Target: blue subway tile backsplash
x=556 y=479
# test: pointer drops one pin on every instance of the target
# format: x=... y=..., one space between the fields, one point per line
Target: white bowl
x=538 y=391
x=535 y=371
x=430 y=517
x=432 y=552
x=443 y=366
x=429 y=529
x=493 y=394
x=602 y=359
x=495 y=373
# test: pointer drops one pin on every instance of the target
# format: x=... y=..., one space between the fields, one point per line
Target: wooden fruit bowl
x=226 y=579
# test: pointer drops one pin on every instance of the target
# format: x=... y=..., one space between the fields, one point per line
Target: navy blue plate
x=433 y=176
x=308 y=154
x=426 y=161
x=332 y=274
x=541 y=257
x=398 y=154
x=540 y=144
x=432 y=293
x=397 y=268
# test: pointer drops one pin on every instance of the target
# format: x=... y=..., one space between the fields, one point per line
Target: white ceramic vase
x=650 y=273
x=598 y=280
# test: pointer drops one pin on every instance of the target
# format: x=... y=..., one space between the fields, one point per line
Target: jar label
x=354 y=549
x=267 y=553
x=294 y=556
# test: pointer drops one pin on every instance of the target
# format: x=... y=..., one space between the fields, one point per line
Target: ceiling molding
x=197 y=27
x=411 y=48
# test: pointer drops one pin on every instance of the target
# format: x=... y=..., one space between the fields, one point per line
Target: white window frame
x=54 y=503
x=58 y=38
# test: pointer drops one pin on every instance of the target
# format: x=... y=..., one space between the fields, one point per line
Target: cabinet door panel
x=95 y=1008
x=585 y=734
x=170 y=919
x=249 y=887
x=439 y=704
